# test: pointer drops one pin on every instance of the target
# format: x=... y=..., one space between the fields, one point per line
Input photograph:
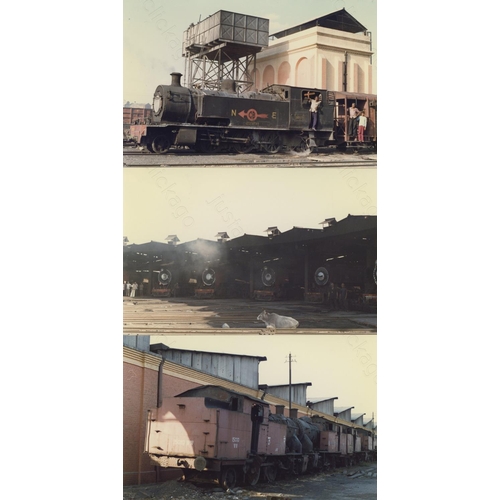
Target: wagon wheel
x=253 y=475
x=149 y=147
x=272 y=143
x=228 y=477
x=271 y=473
x=160 y=144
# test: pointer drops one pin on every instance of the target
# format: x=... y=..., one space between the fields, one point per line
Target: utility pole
x=290 y=361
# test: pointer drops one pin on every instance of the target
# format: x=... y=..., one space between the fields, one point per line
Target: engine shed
x=298 y=264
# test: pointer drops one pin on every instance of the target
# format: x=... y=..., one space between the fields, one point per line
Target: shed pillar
x=306 y=274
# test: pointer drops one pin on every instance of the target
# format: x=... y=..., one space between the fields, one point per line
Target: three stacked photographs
x=250 y=250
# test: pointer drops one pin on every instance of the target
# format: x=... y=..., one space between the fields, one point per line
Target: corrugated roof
x=339 y=20
x=286 y=385
x=321 y=400
x=154 y=347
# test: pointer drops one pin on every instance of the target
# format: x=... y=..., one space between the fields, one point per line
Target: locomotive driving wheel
x=303 y=146
x=272 y=143
x=243 y=148
x=228 y=477
x=160 y=144
x=253 y=475
x=271 y=472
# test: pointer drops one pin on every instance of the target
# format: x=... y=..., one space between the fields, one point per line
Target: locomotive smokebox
x=173 y=103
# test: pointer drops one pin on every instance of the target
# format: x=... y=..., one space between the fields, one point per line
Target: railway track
x=322 y=158
x=183 y=330
x=228 y=163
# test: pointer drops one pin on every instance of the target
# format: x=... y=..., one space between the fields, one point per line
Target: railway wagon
x=214 y=433
x=274 y=119
x=133 y=116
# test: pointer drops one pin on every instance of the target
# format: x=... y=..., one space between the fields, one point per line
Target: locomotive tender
x=211 y=432
x=274 y=119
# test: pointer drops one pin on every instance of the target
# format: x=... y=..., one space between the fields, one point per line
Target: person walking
x=128 y=286
x=135 y=286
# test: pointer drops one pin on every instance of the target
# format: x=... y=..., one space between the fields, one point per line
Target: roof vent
x=329 y=222
x=272 y=231
x=172 y=239
x=223 y=236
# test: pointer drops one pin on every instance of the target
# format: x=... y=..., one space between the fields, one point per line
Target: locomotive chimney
x=176 y=79
x=280 y=409
x=293 y=412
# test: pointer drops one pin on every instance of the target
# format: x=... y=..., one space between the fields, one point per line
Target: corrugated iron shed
x=239 y=368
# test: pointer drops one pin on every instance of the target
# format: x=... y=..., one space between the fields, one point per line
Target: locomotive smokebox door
x=208 y=277
x=268 y=276
x=165 y=277
x=321 y=276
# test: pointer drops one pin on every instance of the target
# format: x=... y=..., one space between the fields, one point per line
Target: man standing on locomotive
x=353 y=121
x=314 y=112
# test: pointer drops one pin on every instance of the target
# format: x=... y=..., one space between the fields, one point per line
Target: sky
x=339 y=365
x=153 y=32
x=201 y=202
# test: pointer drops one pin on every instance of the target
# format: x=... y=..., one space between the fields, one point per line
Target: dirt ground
x=155 y=315
x=357 y=482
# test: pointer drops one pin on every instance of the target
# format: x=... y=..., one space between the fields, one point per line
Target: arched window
x=268 y=76
x=284 y=73
x=303 y=73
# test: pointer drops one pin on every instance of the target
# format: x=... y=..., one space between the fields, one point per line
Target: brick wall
x=139 y=395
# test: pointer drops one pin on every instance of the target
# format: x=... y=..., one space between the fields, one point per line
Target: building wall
x=243 y=370
x=140 y=381
x=314 y=58
x=324 y=407
x=299 y=393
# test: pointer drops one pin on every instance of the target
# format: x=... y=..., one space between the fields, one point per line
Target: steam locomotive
x=211 y=432
x=275 y=119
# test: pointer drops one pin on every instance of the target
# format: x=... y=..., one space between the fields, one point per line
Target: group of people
x=357 y=123
x=129 y=289
x=357 y=119
x=337 y=297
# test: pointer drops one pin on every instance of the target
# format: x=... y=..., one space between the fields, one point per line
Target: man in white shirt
x=314 y=112
x=362 y=126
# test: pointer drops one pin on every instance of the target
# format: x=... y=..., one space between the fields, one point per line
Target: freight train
x=273 y=120
x=214 y=433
